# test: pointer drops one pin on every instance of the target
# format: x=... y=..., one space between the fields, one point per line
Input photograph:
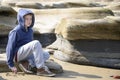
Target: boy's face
x=28 y=20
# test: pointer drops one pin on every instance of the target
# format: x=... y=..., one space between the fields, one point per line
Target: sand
x=71 y=72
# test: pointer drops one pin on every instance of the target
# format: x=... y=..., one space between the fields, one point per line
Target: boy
x=21 y=45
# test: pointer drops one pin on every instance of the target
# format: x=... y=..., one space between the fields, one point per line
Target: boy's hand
x=14 y=70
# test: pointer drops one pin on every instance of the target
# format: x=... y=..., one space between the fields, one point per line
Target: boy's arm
x=10 y=49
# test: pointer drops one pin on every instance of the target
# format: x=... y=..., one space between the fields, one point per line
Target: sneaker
x=45 y=72
x=24 y=66
x=116 y=77
x=33 y=69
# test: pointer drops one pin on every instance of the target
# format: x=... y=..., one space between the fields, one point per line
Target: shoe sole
x=47 y=75
x=24 y=70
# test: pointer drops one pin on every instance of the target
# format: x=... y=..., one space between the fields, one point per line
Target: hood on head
x=20 y=17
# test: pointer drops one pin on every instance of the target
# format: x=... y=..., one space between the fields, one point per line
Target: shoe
x=45 y=72
x=33 y=69
x=116 y=77
x=24 y=66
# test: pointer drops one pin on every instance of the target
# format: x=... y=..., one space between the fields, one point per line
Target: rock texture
x=7 y=19
x=87 y=52
x=78 y=31
x=106 y=28
x=52 y=65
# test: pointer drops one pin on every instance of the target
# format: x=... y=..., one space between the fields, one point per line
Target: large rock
x=45 y=25
x=117 y=12
x=29 y=5
x=47 y=19
x=69 y=49
x=116 y=0
x=8 y=2
x=40 y=4
x=55 y=16
x=52 y=65
x=107 y=28
x=88 y=52
x=114 y=6
x=48 y=5
x=102 y=62
x=104 y=0
x=81 y=13
x=7 y=20
x=4 y=29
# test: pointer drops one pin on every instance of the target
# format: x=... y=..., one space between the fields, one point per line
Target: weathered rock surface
x=88 y=52
x=7 y=20
x=107 y=28
x=48 y=5
x=38 y=4
x=114 y=6
x=45 y=25
x=117 y=12
x=107 y=0
x=52 y=65
x=87 y=30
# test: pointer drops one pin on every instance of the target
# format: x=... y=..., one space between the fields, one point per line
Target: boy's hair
x=28 y=14
x=24 y=16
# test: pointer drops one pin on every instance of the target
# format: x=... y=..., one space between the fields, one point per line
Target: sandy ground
x=71 y=72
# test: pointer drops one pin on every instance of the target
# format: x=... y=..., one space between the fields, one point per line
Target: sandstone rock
x=55 y=16
x=7 y=20
x=9 y=2
x=107 y=0
x=44 y=23
x=54 y=66
x=6 y=9
x=3 y=66
x=95 y=27
x=82 y=13
x=116 y=0
x=114 y=18
x=29 y=5
x=48 y=5
x=4 y=30
x=47 y=19
x=88 y=48
x=117 y=12
x=102 y=62
x=114 y=6
x=103 y=0
x=87 y=52
x=0 y=2
x=72 y=29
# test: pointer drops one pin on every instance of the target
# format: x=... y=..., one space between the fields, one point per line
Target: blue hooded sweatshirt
x=19 y=36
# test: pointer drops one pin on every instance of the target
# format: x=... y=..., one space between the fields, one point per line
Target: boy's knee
x=46 y=55
x=36 y=42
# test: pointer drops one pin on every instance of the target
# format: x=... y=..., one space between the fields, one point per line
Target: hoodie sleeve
x=10 y=48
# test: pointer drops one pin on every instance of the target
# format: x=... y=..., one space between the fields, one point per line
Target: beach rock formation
x=78 y=31
x=106 y=28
